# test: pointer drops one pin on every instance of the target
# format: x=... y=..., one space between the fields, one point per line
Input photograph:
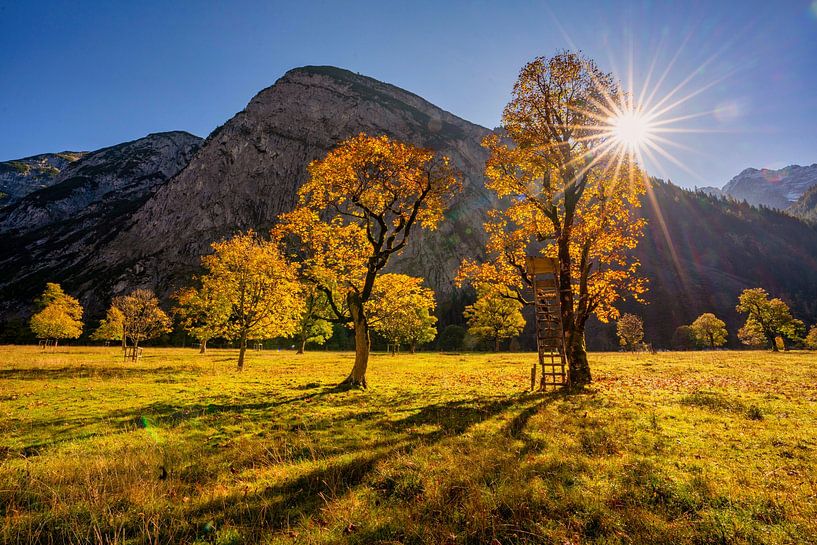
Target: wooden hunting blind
x=550 y=340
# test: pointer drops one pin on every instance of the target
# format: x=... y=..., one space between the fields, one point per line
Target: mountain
x=806 y=206
x=54 y=233
x=700 y=252
x=20 y=177
x=773 y=188
x=141 y=213
x=248 y=172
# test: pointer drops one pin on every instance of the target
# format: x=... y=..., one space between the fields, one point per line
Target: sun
x=631 y=129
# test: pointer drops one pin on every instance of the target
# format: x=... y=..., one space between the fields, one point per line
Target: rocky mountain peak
x=773 y=188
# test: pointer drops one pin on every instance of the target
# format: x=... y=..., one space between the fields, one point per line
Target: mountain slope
x=51 y=234
x=20 y=177
x=711 y=249
x=806 y=206
x=248 y=172
x=773 y=188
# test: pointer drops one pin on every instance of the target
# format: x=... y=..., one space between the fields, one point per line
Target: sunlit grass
x=706 y=447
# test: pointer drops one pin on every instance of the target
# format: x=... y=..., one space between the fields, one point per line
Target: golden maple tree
x=569 y=192
x=142 y=318
x=360 y=206
x=202 y=313
x=494 y=316
x=112 y=327
x=59 y=315
x=252 y=290
x=401 y=311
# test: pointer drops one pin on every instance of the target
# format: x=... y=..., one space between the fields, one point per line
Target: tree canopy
x=630 y=331
x=708 y=330
x=143 y=319
x=249 y=291
x=495 y=317
x=401 y=311
x=768 y=317
x=570 y=193
x=59 y=316
x=359 y=207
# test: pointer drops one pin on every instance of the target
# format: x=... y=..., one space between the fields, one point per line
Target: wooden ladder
x=549 y=331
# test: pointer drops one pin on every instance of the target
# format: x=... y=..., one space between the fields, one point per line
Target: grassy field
x=706 y=447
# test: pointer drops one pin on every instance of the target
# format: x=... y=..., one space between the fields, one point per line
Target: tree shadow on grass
x=277 y=507
x=74 y=372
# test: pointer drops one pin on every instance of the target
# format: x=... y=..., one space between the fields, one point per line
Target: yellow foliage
x=401 y=310
x=250 y=291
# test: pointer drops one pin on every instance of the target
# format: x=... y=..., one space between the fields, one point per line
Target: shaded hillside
x=709 y=252
x=806 y=206
x=53 y=233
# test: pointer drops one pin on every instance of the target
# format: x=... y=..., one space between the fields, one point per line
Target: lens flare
x=631 y=129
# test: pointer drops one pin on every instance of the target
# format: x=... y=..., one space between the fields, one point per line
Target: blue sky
x=84 y=75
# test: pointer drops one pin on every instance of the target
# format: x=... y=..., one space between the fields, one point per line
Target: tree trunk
x=124 y=342
x=577 y=360
x=242 y=347
x=55 y=343
x=362 y=341
x=496 y=344
x=413 y=348
x=135 y=355
x=302 y=346
x=203 y=346
x=774 y=345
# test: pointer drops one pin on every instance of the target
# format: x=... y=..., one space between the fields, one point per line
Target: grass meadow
x=681 y=448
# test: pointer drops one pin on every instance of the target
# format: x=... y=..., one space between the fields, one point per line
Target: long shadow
x=278 y=506
x=72 y=372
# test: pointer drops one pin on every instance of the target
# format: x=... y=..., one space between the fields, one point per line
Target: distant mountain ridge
x=773 y=188
x=140 y=214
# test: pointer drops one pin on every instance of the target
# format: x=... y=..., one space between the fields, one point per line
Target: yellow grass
x=699 y=447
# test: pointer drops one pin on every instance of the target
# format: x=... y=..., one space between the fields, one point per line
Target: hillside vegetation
x=697 y=447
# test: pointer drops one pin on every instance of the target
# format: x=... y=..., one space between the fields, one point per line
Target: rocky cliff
x=20 y=177
x=55 y=233
x=773 y=188
x=248 y=171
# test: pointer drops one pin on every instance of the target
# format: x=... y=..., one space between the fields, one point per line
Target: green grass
x=698 y=448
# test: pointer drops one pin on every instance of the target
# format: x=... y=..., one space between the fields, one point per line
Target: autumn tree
x=811 y=338
x=630 y=331
x=494 y=317
x=771 y=317
x=143 y=319
x=709 y=330
x=258 y=286
x=59 y=315
x=359 y=207
x=112 y=327
x=401 y=310
x=312 y=326
x=571 y=191
x=751 y=334
x=203 y=313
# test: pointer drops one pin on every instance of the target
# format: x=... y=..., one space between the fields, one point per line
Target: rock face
x=23 y=176
x=54 y=232
x=248 y=171
x=773 y=188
